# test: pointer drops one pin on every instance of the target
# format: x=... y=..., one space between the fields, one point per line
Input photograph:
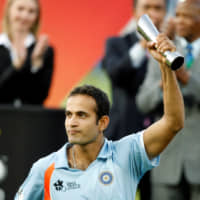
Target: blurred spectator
x=131 y=24
x=178 y=175
x=26 y=60
x=125 y=62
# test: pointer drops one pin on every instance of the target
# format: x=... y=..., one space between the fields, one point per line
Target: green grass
x=137 y=195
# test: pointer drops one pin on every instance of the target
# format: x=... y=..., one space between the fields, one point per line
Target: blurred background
x=77 y=30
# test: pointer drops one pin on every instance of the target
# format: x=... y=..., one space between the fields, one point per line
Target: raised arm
x=160 y=133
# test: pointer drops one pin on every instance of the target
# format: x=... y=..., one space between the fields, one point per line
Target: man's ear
x=103 y=122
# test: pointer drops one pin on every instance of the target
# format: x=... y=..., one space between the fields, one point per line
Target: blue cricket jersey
x=114 y=175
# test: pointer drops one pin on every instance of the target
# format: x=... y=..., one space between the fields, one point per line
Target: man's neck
x=191 y=39
x=81 y=156
x=18 y=36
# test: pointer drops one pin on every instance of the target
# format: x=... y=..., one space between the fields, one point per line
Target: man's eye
x=32 y=11
x=68 y=114
x=20 y=8
x=82 y=114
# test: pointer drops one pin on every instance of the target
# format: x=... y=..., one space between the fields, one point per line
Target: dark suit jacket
x=30 y=88
x=125 y=80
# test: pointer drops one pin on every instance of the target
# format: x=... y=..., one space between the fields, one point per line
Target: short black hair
x=136 y=1
x=101 y=98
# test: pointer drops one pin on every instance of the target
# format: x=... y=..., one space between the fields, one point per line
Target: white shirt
x=137 y=53
x=195 y=46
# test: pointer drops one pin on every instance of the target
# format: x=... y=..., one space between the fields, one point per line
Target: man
x=178 y=175
x=90 y=166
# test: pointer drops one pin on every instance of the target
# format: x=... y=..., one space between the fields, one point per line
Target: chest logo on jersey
x=63 y=187
x=106 y=178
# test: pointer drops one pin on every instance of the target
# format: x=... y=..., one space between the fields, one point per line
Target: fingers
x=143 y=43
x=162 y=47
x=43 y=40
x=40 y=46
x=151 y=45
x=164 y=44
x=155 y=53
x=21 y=54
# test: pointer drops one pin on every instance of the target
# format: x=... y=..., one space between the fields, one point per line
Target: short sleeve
x=132 y=154
x=139 y=160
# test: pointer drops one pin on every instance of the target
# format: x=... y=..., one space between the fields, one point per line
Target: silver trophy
x=148 y=30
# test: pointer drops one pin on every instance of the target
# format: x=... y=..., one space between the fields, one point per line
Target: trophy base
x=177 y=63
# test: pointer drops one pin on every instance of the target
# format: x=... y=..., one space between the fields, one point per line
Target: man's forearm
x=173 y=100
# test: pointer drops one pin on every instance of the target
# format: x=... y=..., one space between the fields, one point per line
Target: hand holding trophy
x=148 y=30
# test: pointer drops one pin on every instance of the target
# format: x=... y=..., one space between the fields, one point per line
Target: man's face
x=81 y=120
x=154 y=8
x=187 y=21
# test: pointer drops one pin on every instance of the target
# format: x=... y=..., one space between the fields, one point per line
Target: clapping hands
x=37 y=54
x=39 y=50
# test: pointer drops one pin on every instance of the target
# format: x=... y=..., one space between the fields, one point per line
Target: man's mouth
x=73 y=132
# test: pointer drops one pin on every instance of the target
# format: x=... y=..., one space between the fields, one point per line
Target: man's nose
x=154 y=16
x=25 y=14
x=73 y=121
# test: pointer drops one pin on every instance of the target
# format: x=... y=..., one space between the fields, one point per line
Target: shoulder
x=54 y=158
x=33 y=185
x=4 y=42
x=41 y=165
x=130 y=152
x=45 y=162
x=126 y=40
x=127 y=143
x=132 y=138
x=119 y=38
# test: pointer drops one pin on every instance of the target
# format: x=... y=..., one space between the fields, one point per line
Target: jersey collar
x=62 y=162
